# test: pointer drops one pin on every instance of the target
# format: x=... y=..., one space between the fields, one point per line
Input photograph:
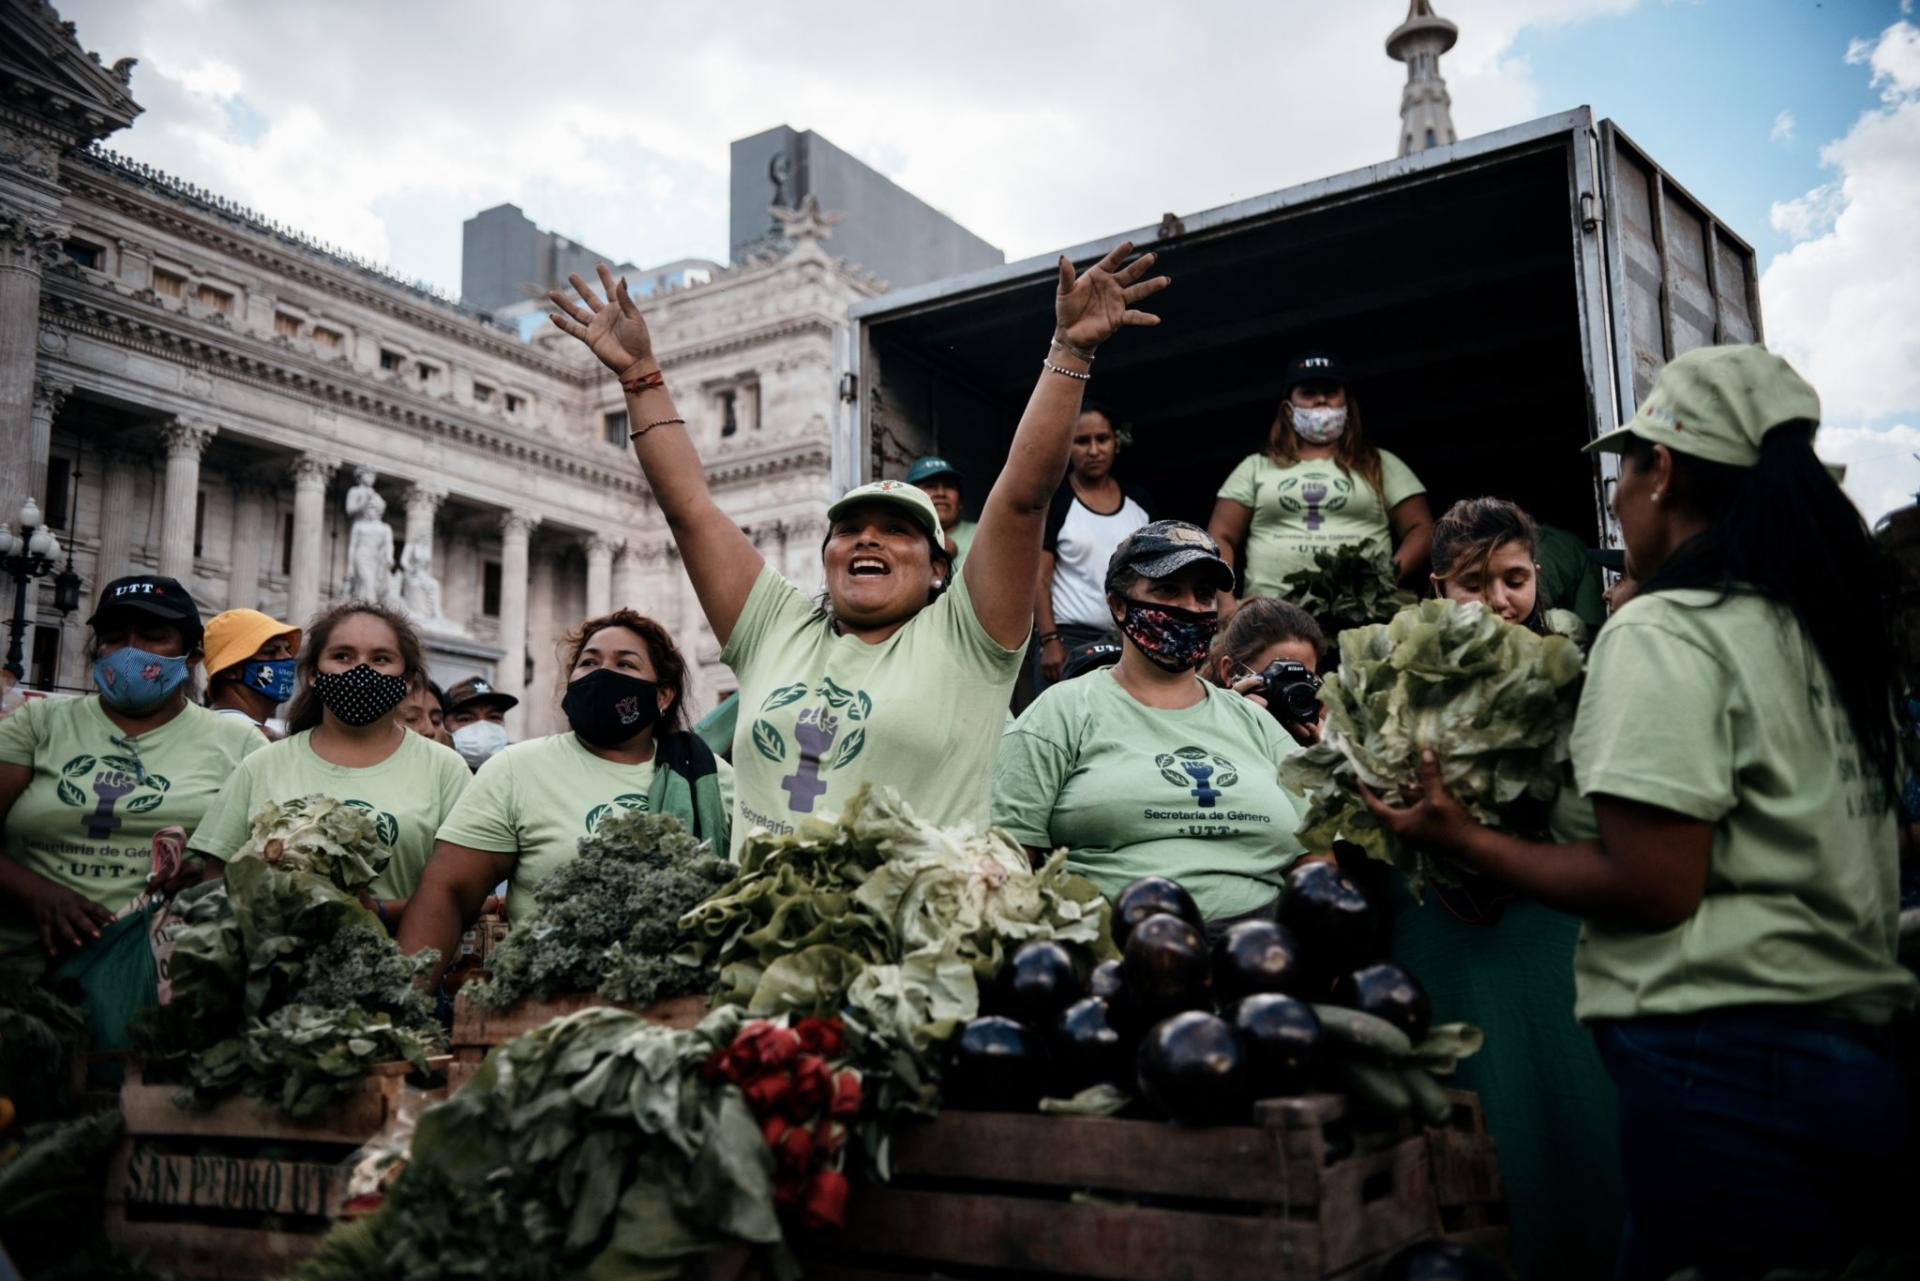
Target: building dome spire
x=1426 y=119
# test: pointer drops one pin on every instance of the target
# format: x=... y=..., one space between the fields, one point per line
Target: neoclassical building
x=188 y=388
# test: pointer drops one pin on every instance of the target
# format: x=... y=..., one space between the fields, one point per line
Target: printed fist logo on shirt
x=111 y=778
x=1316 y=496
x=817 y=736
x=634 y=801
x=1198 y=772
x=384 y=823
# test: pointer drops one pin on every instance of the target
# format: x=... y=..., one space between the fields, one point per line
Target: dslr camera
x=1292 y=692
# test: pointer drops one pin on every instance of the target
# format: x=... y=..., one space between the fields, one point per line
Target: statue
x=419 y=590
x=369 y=544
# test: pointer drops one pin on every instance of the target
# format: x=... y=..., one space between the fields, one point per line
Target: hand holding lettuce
x=1493 y=700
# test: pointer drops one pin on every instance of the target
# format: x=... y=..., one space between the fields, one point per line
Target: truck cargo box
x=1502 y=300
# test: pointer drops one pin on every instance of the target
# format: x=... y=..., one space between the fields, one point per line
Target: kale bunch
x=1348 y=586
x=607 y=921
x=285 y=987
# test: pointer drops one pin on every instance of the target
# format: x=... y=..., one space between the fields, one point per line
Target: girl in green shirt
x=1740 y=902
x=1144 y=768
x=901 y=677
x=1319 y=484
x=345 y=740
x=1503 y=961
x=86 y=783
x=532 y=802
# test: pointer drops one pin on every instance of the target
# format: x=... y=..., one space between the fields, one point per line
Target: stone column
x=626 y=577
x=28 y=245
x=310 y=477
x=515 y=529
x=116 y=516
x=243 y=575
x=186 y=439
x=599 y=576
x=48 y=396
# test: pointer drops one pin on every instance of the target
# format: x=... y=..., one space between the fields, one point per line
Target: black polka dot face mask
x=360 y=695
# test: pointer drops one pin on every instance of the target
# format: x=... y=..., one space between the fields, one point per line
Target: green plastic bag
x=117 y=980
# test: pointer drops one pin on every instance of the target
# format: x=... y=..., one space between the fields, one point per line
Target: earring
x=938 y=583
x=1655 y=496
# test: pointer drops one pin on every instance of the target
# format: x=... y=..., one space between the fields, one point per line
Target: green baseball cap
x=929 y=467
x=1717 y=403
x=896 y=493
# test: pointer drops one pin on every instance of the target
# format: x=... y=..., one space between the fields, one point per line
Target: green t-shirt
x=1310 y=506
x=1569 y=577
x=1723 y=711
x=537 y=799
x=95 y=798
x=822 y=713
x=1191 y=793
x=962 y=532
x=409 y=794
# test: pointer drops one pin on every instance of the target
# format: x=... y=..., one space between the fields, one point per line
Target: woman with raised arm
x=901 y=677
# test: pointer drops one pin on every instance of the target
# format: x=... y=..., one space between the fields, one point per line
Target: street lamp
x=28 y=555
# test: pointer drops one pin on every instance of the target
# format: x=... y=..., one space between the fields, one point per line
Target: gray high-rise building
x=887 y=230
x=506 y=259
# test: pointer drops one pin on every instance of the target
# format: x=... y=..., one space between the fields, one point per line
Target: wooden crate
x=1296 y=1195
x=476 y=1030
x=236 y=1191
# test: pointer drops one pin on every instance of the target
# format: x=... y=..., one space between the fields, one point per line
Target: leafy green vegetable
x=285 y=986
x=594 y=1147
x=40 y=1037
x=1349 y=585
x=607 y=920
x=1493 y=700
x=50 y=1194
x=876 y=909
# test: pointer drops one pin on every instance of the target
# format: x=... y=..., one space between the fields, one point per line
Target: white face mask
x=478 y=741
x=1321 y=425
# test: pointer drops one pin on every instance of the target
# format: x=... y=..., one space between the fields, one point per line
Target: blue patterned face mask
x=134 y=680
x=272 y=677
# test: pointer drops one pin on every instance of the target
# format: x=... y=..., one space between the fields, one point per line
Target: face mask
x=272 y=677
x=606 y=707
x=361 y=695
x=1173 y=639
x=1321 y=425
x=133 y=680
x=479 y=741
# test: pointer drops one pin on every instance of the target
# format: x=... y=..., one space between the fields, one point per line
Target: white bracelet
x=1053 y=368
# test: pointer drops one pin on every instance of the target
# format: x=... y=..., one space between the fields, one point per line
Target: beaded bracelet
x=641 y=382
x=638 y=432
x=1060 y=369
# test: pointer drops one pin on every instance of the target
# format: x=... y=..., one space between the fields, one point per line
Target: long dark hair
x=1472 y=530
x=1783 y=527
x=669 y=668
x=1356 y=453
x=306 y=710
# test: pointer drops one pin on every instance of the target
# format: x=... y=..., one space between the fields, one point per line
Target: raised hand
x=612 y=329
x=1092 y=307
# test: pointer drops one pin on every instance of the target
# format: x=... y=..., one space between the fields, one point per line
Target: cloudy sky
x=380 y=127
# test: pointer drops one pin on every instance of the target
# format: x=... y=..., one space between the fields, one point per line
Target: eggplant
x=1257 y=956
x=1388 y=992
x=1281 y=1036
x=1149 y=896
x=1089 y=1048
x=1442 y=1261
x=1193 y=1067
x=1106 y=982
x=1038 y=981
x=1166 y=968
x=999 y=1065
x=1331 y=918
